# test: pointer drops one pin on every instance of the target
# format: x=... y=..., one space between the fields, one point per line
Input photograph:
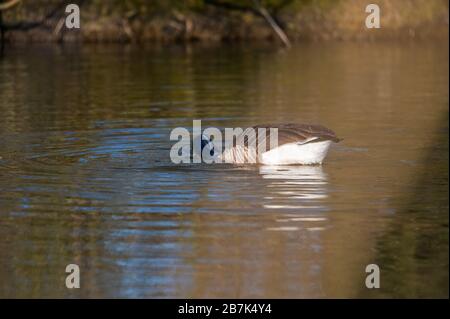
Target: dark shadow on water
x=413 y=255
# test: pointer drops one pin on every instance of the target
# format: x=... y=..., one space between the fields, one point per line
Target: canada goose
x=297 y=144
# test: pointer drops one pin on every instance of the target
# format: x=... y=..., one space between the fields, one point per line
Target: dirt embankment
x=301 y=20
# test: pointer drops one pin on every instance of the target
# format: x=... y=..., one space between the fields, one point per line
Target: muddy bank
x=301 y=20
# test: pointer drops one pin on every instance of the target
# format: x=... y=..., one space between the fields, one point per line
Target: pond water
x=86 y=177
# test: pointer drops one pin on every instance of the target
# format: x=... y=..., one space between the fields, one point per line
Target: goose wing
x=247 y=145
x=302 y=133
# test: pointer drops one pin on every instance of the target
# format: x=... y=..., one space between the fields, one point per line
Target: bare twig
x=278 y=30
x=24 y=26
x=125 y=24
x=57 y=31
x=7 y=5
x=259 y=10
x=127 y=29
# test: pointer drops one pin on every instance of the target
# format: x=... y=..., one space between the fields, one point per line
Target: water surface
x=86 y=178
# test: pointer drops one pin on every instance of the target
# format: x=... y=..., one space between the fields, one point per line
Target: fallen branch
x=7 y=5
x=256 y=9
x=273 y=24
x=24 y=26
x=58 y=28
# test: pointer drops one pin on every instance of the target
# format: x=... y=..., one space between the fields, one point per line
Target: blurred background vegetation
x=221 y=20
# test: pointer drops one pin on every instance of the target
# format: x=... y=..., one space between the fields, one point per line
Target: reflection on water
x=299 y=193
x=86 y=177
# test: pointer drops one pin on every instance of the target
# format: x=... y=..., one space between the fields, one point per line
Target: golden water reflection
x=85 y=173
